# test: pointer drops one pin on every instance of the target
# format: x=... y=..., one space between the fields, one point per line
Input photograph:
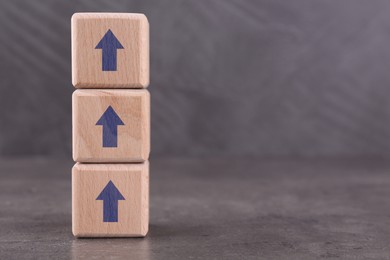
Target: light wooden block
x=111 y=125
x=110 y=200
x=110 y=50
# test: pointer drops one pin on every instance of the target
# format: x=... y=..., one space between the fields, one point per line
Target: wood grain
x=132 y=106
x=132 y=180
x=132 y=30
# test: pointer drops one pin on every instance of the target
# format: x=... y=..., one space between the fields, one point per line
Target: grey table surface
x=211 y=209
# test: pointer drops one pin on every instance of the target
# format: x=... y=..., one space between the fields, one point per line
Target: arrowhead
x=109 y=41
x=110 y=118
x=110 y=193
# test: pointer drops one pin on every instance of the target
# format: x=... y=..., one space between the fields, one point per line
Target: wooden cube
x=110 y=200
x=110 y=50
x=111 y=125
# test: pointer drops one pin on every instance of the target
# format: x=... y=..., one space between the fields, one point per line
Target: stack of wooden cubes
x=111 y=125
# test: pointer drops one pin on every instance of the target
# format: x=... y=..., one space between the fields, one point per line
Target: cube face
x=110 y=50
x=111 y=125
x=110 y=200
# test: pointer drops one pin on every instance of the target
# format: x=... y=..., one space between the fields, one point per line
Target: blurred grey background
x=263 y=78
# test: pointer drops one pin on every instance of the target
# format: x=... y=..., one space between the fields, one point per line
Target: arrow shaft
x=109 y=59
x=110 y=210
x=110 y=136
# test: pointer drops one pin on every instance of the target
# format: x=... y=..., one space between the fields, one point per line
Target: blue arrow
x=110 y=121
x=110 y=196
x=109 y=45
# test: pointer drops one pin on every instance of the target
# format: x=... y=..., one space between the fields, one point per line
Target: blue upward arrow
x=109 y=45
x=110 y=121
x=110 y=196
